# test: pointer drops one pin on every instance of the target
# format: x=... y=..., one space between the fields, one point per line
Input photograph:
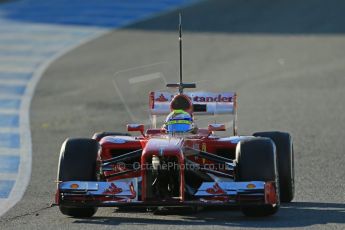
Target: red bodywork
x=200 y=141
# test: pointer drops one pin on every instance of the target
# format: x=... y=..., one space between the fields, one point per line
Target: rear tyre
x=285 y=155
x=256 y=161
x=78 y=163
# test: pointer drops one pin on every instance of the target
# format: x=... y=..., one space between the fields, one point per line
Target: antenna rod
x=180 y=85
x=180 y=44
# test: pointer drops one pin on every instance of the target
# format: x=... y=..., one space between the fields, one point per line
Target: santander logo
x=161 y=98
x=218 y=98
x=201 y=98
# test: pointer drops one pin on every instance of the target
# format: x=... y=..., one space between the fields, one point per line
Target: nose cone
x=161 y=148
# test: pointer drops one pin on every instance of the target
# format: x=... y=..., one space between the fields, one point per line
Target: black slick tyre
x=256 y=161
x=77 y=162
x=285 y=155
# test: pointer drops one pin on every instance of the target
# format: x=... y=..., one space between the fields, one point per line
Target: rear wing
x=204 y=103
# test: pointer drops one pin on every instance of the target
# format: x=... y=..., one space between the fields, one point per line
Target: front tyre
x=256 y=161
x=77 y=162
x=285 y=155
x=259 y=211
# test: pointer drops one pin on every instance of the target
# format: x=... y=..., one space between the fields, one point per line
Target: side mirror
x=136 y=127
x=216 y=127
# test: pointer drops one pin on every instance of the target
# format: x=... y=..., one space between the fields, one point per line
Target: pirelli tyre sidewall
x=78 y=158
x=257 y=161
x=285 y=155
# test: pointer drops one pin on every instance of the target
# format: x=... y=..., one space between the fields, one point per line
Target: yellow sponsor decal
x=204 y=147
x=74 y=186
x=251 y=186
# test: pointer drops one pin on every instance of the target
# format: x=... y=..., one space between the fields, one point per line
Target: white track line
x=8 y=176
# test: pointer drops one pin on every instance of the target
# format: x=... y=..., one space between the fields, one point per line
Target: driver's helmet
x=179 y=121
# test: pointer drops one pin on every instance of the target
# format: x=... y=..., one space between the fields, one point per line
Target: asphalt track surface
x=284 y=58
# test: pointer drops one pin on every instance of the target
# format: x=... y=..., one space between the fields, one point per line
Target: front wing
x=127 y=193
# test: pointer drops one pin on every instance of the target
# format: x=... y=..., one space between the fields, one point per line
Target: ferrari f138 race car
x=178 y=164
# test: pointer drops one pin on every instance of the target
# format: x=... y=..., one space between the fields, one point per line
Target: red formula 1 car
x=167 y=168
